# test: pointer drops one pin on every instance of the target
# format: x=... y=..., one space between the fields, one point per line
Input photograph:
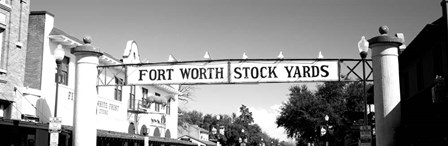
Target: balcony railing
x=136 y=106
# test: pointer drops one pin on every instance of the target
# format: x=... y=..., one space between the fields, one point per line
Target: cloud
x=266 y=118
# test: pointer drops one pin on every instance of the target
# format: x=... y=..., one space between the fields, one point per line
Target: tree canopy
x=303 y=114
x=234 y=125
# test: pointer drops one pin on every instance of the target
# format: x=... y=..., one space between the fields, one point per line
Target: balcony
x=136 y=106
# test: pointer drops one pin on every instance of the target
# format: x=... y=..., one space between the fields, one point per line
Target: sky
x=227 y=28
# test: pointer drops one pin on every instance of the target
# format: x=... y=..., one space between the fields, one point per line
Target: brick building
x=27 y=88
x=13 y=46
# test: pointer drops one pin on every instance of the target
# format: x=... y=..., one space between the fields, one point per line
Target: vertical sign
x=54 y=128
x=365 y=135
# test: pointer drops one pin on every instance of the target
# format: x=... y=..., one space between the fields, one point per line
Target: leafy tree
x=300 y=114
x=303 y=114
x=246 y=116
x=193 y=118
x=208 y=122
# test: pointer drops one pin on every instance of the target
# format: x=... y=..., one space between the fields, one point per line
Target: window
x=144 y=93
x=145 y=102
x=2 y=53
x=62 y=78
x=118 y=88
x=132 y=98
x=157 y=105
x=168 y=108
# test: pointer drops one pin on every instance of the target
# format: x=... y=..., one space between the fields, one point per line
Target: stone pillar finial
x=384 y=30
x=87 y=39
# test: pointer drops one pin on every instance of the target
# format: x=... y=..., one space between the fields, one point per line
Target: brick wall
x=34 y=58
x=13 y=56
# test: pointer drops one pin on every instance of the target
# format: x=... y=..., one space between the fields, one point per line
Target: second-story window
x=144 y=93
x=118 y=88
x=62 y=78
x=132 y=98
x=168 y=108
x=157 y=105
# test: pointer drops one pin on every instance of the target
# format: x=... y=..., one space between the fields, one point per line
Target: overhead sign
x=234 y=72
x=179 y=74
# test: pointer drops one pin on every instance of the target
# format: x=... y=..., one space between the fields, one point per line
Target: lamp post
x=328 y=130
x=59 y=54
x=363 y=47
x=243 y=139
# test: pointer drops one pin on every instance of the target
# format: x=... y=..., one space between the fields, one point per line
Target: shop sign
x=228 y=72
x=107 y=108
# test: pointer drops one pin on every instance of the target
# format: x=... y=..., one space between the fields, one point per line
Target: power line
x=12 y=104
x=21 y=94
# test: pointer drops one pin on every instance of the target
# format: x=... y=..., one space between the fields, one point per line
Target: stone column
x=146 y=141
x=386 y=87
x=84 y=117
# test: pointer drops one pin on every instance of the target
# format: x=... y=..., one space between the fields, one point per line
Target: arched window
x=168 y=133
x=156 y=132
x=144 y=130
x=131 y=128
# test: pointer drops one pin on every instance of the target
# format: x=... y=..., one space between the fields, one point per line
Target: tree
x=299 y=115
x=192 y=118
x=187 y=92
x=303 y=114
x=246 y=116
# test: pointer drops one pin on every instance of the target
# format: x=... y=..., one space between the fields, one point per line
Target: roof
x=20 y=123
x=428 y=37
x=56 y=31
x=208 y=143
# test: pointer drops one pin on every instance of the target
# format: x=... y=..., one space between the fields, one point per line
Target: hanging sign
x=179 y=74
x=234 y=72
x=297 y=71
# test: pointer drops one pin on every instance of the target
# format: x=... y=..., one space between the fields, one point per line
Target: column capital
x=87 y=47
x=384 y=38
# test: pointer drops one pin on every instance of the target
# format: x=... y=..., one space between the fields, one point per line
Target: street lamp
x=363 y=47
x=327 y=118
x=243 y=139
x=58 y=54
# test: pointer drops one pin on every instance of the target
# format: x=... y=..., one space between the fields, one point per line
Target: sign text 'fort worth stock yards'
x=234 y=72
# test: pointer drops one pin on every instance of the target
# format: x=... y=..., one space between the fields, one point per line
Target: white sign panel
x=178 y=74
x=234 y=72
x=284 y=71
x=54 y=139
x=55 y=124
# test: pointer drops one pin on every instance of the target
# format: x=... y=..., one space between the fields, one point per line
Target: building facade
x=13 y=47
x=118 y=106
x=423 y=82
x=29 y=94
